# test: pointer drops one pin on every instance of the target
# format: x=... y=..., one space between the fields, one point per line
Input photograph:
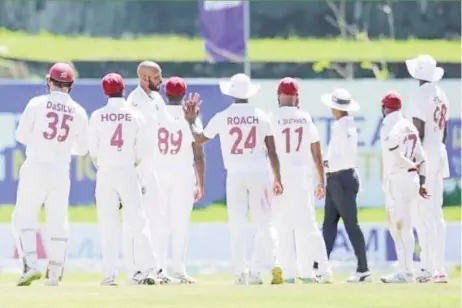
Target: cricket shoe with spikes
x=423 y=276
x=398 y=278
x=163 y=278
x=324 y=277
x=109 y=281
x=53 y=277
x=240 y=279
x=255 y=279
x=30 y=274
x=441 y=278
x=360 y=277
x=184 y=279
x=140 y=278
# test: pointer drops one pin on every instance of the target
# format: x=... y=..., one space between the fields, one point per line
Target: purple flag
x=222 y=27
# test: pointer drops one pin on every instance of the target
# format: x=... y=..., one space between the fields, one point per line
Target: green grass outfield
x=217 y=213
x=214 y=291
x=174 y=48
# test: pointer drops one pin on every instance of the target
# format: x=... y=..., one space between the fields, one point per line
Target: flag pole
x=247 y=63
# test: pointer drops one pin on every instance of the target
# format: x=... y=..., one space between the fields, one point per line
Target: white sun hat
x=239 y=86
x=340 y=99
x=424 y=68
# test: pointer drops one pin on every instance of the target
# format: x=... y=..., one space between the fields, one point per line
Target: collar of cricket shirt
x=150 y=96
x=116 y=101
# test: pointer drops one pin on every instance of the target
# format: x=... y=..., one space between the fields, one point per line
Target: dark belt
x=412 y=170
x=328 y=174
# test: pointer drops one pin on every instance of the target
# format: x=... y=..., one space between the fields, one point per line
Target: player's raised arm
x=191 y=114
x=80 y=147
x=26 y=121
x=199 y=164
x=93 y=138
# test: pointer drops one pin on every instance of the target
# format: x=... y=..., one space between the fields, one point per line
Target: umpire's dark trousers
x=341 y=190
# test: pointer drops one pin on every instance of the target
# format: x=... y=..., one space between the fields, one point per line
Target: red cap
x=392 y=101
x=175 y=86
x=288 y=86
x=61 y=72
x=112 y=83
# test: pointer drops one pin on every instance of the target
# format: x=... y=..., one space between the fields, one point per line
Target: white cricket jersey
x=242 y=129
x=398 y=131
x=117 y=136
x=175 y=143
x=343 y=145
x=294 y=132
x=53 y=127
x=429 y=103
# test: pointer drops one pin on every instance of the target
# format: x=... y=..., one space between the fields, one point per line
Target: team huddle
x=150 y=166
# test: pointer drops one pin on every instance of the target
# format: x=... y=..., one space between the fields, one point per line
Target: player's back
x=174 y=142
x=242 y=130
x=429 y=103
x=115 y=131
x=294 y=132
x=403 y=134
x=57 y=123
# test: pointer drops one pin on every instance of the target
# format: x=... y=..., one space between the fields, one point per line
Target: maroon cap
x=175 y=86
x=61 y=72
x=288 y=86
x=392 y=101
x=112 y=83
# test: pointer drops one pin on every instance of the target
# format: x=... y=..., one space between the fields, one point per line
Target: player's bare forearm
x=273 y=157
x=199 y=163
x=318 y=161
x=420 y=125
x=198 y=135
x=445 y=132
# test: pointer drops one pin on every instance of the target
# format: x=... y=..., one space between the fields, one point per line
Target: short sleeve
x=266 y=124
x=26 y=122
x=81 y=146
x=416 y=106
x=313 y=134
x=213 y=127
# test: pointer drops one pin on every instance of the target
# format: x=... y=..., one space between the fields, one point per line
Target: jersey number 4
x=169 y=143
x=299 y=131
x=54 y=122
x=117 y=138
x=249 y=143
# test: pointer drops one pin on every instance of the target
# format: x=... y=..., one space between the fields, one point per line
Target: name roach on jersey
x=249 y=120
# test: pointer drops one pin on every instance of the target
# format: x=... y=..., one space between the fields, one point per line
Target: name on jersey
x=60 y=107
x=292 y=121
x=249 y=120
x=116 y=117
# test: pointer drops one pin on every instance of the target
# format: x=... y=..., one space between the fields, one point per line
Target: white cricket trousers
x=300 y=239
x=47 y=184
x=177 y=199
x=115 y=185
x=428 y=217
x=244 y=193
x=401 y=191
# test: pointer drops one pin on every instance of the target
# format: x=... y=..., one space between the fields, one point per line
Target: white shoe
x=183 y=278
x=240 y=279
x=30 y=275
x=53 y=277
x=140 y=278
x=398 y=278
x=109 y=281
x=163 y=278
x=441 y=278
x=423 y=276
x=360 y=277
x=255 y=279
x=325 y=277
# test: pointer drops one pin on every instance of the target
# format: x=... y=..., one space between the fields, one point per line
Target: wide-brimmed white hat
x=239 y=86
x=340 y=99
x=424 y=68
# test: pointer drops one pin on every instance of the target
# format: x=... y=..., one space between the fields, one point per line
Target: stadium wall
x=15 y=95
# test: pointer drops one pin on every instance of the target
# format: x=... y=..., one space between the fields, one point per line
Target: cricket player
x=147 y=100
x=181 y=169
x=297 y=145
x=52 y=127
x=429 y=111
x=117 y=144
x=246 y=141
x=404 y=176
